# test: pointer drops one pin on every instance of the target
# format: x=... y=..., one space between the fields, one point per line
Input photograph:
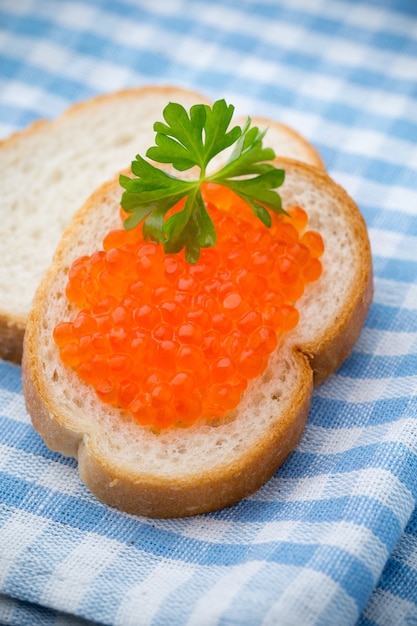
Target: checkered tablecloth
x=332 y=538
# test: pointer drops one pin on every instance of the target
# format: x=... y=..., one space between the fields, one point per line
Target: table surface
x=332 y=537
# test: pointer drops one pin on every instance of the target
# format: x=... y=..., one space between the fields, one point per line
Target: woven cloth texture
x=332 y=537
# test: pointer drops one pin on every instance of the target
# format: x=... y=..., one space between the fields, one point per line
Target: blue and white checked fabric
x=332 y=538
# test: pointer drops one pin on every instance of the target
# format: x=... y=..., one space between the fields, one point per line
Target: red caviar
x=172 y=342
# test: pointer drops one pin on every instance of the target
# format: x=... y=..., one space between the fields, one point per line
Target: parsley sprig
x=189 y=141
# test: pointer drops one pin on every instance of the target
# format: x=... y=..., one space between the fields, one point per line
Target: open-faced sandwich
x=174 y=342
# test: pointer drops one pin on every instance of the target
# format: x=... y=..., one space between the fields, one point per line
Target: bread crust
x=12 y=330
x=309 y=353
x=331 y=348
x=168 y=91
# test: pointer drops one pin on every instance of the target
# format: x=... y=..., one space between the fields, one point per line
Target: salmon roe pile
x=172 y=342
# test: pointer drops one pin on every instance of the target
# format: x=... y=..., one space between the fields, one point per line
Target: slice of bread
x=51 y=168
x=181 y=472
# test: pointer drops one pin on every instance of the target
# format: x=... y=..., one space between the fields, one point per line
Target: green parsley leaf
x=191 y=141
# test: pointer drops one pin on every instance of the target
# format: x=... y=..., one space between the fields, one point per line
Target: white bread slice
x=51 y=168
x=204 y=467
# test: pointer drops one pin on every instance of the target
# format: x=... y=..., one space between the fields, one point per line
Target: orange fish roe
x=172 y=342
